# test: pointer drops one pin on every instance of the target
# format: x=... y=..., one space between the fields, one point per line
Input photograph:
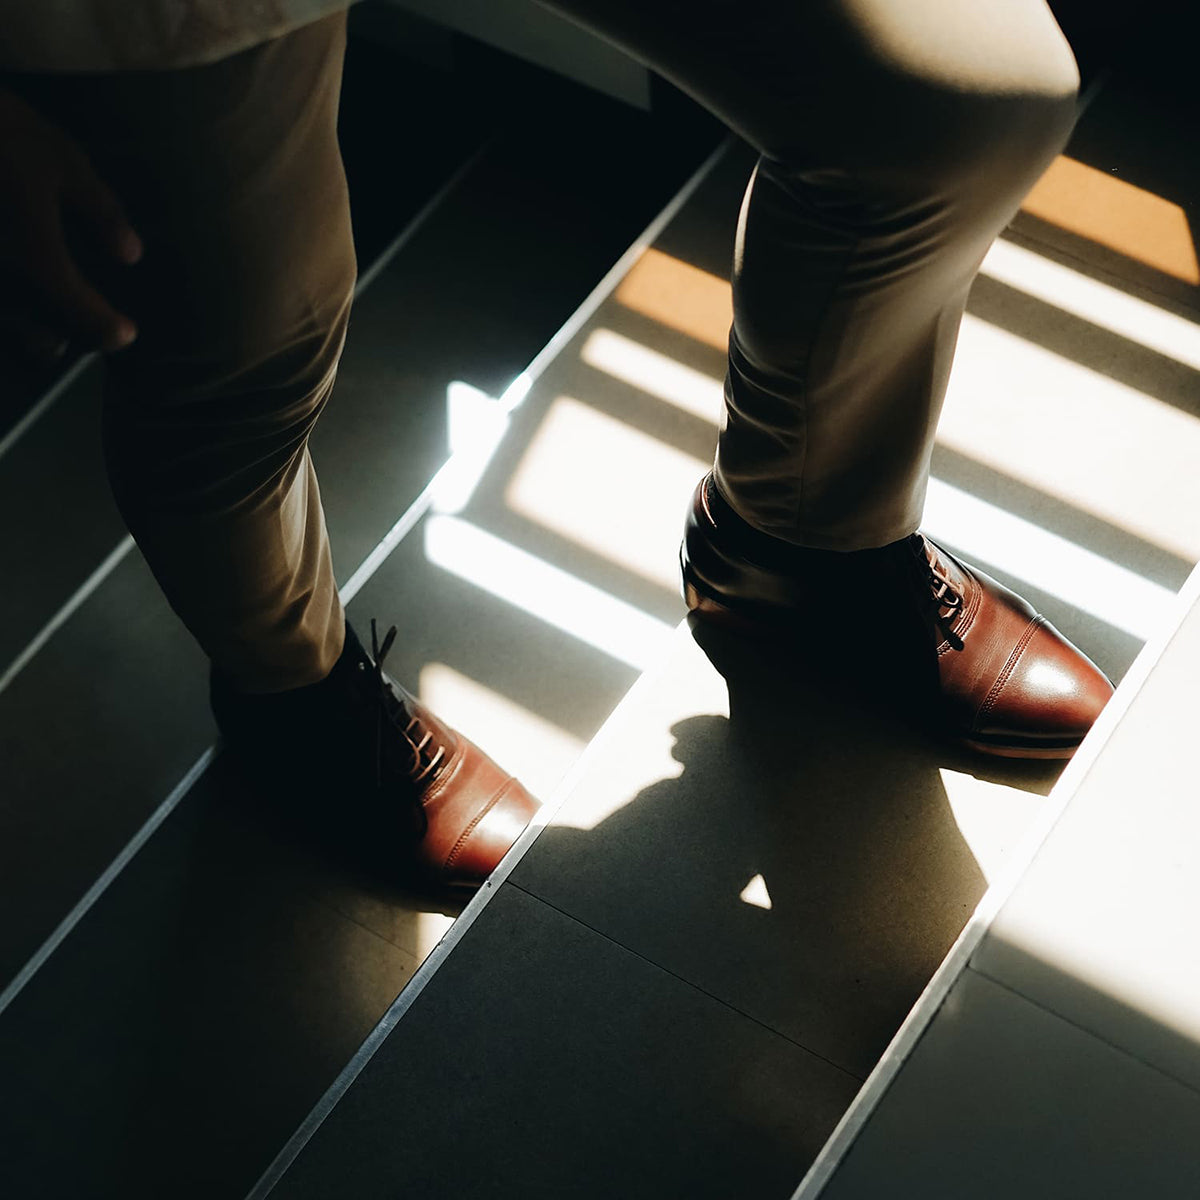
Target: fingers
x=48 y=186
x=99 y=211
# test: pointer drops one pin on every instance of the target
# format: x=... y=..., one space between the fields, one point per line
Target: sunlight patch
x=607 y=487
x=1115 y=213
x=679 y=296
x=755 y=893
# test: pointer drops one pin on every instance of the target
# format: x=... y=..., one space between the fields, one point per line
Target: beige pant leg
x=898 y=137
x=232 y=174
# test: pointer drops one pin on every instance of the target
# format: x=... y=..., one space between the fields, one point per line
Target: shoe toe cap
x=1049 y=694
x=479 y=853
x=474 y=820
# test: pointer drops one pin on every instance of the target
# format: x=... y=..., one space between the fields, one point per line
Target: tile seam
x=1087 y=1030
x=858 y=1079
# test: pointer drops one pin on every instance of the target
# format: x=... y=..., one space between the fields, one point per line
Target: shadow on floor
x=806 y=864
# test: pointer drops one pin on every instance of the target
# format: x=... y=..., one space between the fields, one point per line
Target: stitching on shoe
x=1004 y=676
x=456 y=849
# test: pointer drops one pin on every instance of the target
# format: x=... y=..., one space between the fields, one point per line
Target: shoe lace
x=426 y=752
x=942 y=591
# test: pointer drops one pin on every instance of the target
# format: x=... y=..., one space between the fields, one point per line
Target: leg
x=897 y=138
x=242 y=300
x=232 y=174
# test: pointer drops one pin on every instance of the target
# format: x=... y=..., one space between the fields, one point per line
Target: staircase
x=678 y=982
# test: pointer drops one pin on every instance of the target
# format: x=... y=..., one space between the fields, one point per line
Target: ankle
x=779 y=554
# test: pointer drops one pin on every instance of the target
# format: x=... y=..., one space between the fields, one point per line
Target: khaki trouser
x=232 y=176
x=898 y=137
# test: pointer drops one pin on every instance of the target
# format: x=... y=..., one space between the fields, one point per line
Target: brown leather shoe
x=360 y=749
x=908 y=621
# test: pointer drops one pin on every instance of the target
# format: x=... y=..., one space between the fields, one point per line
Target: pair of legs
x=897 y=138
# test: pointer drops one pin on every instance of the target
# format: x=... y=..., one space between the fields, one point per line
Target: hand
x=47 y=186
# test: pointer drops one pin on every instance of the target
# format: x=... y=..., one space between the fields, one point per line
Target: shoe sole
x=1062 y=750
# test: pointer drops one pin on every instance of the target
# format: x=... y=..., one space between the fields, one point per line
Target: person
x=171 y=193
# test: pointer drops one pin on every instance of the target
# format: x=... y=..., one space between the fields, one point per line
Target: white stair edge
x=934 y=995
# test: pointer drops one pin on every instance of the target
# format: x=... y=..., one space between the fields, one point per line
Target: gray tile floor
x=599 y=1084
x=1125 y=1131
